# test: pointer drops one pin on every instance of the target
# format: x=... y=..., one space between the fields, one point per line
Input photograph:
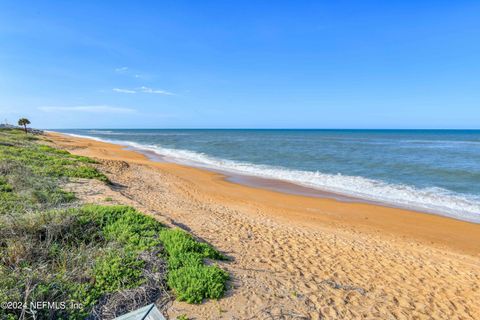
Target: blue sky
x=241 y=64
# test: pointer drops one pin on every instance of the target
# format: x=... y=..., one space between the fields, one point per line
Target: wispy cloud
x=129 y=72
x=121 y=69
x=144 y=90
x=123 y=90
x=150 y=90
x=91 y=109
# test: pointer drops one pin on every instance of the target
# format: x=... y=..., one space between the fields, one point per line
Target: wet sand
x=300 y=257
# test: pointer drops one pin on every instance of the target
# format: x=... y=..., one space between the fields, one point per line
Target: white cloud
x=144 y=90
x=91 y=109
x=150 y=90
x=124 y=90
x=121 y=69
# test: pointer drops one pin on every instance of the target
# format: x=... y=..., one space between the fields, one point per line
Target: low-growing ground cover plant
x=54 y=249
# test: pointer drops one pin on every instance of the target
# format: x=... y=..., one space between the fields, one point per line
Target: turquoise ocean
x=435 y=171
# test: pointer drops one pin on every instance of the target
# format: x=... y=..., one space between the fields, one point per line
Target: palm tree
x=23 y=122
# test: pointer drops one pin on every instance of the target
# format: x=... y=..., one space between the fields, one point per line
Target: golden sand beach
x=299 y=257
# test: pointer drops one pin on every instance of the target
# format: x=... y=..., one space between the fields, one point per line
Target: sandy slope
x=295 y=257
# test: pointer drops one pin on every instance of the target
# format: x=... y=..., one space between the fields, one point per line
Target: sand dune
x=295 y=257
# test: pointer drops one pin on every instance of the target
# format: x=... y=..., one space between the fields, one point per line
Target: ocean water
x=436 y=171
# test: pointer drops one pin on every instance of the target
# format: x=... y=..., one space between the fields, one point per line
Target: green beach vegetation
x=54 y=249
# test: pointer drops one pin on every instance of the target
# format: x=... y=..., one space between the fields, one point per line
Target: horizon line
x=405 y=129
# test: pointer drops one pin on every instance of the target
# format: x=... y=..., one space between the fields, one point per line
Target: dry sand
x=296 y=257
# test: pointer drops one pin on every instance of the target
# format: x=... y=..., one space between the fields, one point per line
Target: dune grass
x=52 y=249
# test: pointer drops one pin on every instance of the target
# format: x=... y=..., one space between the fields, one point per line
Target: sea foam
x=432 y=200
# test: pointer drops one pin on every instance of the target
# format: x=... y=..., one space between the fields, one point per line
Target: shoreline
x=297 y=257
x=272 y=184
x=277 y=184
x=427 y=227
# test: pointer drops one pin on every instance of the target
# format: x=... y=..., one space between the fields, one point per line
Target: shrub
x=117 y=270
x=4 y=185
x=193 y=283
x=188 y=276
x=191 y=280
x=84 y=172
x=125 y=225
x=176 y=241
